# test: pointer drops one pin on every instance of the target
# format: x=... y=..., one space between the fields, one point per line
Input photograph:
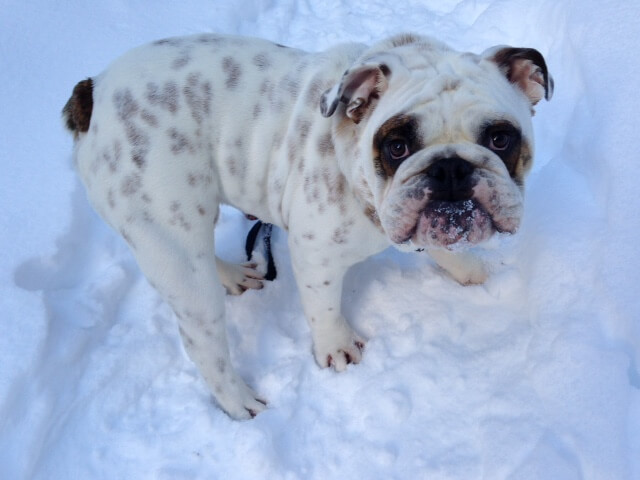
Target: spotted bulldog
x=406 y=143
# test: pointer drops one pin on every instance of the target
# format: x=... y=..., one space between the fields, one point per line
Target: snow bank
x=533 y=375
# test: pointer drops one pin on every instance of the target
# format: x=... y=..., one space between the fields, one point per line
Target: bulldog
x=406 y=143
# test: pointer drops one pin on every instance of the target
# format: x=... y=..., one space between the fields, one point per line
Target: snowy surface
x=534 y=375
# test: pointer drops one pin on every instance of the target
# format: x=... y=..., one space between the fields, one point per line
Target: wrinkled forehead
x=453 y=94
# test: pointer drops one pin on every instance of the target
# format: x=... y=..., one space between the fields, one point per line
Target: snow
x=533 y=375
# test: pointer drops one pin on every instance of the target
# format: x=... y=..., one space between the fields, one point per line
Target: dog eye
x=398 y=149
x=499 y=141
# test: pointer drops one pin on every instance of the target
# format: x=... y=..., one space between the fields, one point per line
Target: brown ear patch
x=77 y=111
x=359 y=88
x=526 y=68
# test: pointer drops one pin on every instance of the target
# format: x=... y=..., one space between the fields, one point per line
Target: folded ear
x=358 y=89
x=525 y=68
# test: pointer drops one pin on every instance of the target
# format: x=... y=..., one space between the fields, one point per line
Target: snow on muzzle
x=485 y=200
x=444 y=223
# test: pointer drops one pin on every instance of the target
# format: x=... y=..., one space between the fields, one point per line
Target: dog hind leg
x=191 y=284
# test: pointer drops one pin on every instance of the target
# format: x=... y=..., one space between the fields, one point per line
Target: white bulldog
x=406 y=143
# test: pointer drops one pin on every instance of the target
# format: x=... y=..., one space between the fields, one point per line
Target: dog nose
x=451 y=179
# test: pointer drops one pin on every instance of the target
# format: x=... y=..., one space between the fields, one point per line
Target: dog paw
x=340 y=358
x=475 y=276
x=338 y=352
x=464 y=267
x=239 y=278
x=239 y=401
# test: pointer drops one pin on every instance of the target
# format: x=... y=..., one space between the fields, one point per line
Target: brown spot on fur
x=198 y=179
x=303 y=126
x=126 y=105
x=210 y=39
x=266 y=88
x=325 y=145
x=524 y=164
x=172 y=42
x=78 y=108
x=220 y=363
x=336 y=187
x=127 y=108
x=311 y=188
x=291 y=85
x=233 y=71
x=112 y=157
x=231 y=165
x=372 y=215
x=278 y=138
x=181 y=142
x=130 y=184
x=317 y=87
x=165 y=98
x=140 y=143
x=186 y=338
x=451 y=85
x=340 y=234
x=292 y=149
x=127 y=238
x=178 y=218
x=262 y=61
x=111 y=198
x=198 y=95
x=135 y=135
x=182 y=60
x=149 y=118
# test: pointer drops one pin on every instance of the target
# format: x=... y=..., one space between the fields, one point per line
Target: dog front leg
x=465 y=267
x=335 y=344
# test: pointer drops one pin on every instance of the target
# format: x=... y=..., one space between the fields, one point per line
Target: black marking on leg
x=271 y=266
x=250 y=244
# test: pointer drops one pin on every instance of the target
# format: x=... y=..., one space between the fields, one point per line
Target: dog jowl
x=406 y=143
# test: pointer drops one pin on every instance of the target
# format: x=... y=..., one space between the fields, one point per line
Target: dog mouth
x=417 y=214
x=447 y=223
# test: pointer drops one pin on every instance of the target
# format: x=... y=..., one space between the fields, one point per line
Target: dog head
x=437 y=143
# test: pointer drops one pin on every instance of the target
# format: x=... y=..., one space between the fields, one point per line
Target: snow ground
x=534 y=375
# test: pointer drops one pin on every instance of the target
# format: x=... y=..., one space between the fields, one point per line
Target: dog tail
x=77 y=112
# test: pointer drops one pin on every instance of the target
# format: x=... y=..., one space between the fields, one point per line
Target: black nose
x=450 y=179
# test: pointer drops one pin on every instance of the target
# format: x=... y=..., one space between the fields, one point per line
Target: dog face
x=437 y=143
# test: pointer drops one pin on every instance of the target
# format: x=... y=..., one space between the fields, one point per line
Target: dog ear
x=525 y=68
x=358 y=89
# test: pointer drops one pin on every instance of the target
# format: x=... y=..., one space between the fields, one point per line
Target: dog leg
x=463 y=266
x=188 y=279
x=335 y=344
x=239 y=278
